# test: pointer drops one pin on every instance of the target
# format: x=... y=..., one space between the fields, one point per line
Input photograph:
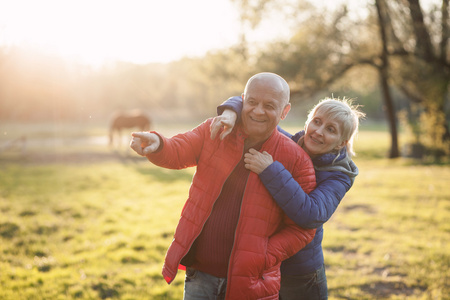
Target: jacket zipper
x=235 y=234
x=210 y=212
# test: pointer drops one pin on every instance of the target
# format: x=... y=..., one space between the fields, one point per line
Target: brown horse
x=133 y=119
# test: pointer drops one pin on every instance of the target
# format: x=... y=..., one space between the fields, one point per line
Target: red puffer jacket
x=264 y=235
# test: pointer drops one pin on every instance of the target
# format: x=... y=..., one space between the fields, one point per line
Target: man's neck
x=252 y=143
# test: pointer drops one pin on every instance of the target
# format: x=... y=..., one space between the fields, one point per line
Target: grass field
x=79 y=221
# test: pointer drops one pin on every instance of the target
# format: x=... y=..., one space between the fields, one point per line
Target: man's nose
x=258 y=109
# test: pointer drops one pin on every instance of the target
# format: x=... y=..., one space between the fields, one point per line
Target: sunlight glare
x=137 y=31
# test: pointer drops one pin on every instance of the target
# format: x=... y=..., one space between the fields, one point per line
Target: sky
x=139 y=31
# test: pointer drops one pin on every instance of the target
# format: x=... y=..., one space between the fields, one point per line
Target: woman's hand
x=226 y=120
x=256 y=161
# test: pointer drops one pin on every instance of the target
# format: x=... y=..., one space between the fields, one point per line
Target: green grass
x=389 y=239
x=88 y=232
x=97 y=226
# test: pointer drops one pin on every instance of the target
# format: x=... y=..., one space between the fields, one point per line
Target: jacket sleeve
x=182 y=150
x=309 y=211
x=292 y=238
x=233 y=103
x=284 y=132
x=287 y=242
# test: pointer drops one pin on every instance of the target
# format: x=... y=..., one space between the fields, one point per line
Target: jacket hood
x=344 y=165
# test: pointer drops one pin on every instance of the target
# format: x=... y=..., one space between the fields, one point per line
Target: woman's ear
x=341 y=145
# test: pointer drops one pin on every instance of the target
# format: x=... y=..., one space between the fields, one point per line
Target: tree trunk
x=383 y=73
x=443 y=58
x=390 y=112
x=424 y=47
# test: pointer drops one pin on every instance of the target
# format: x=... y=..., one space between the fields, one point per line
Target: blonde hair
x=345 y=113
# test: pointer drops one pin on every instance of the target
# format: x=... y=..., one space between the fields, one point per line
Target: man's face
x=263 y=108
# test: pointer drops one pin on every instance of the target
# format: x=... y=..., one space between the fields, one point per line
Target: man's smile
x=256 y=120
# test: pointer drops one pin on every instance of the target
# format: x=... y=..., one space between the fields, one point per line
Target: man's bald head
x=274 y=81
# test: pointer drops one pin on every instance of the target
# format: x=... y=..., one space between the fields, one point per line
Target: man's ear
x=242 y=96
x=286 y=110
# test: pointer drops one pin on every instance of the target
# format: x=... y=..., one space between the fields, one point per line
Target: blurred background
x=79 y=62
x=81 y=217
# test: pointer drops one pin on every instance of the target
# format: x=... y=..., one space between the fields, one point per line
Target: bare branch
x=445 y=31
x=424 y=47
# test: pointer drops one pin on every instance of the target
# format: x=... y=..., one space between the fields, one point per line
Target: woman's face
x=323 y=135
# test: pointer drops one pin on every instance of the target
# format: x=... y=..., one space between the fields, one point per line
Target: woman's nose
x=319 y=130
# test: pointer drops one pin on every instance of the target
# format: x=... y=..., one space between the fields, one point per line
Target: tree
x=326 y=46
x=422 y=71
x=383 y=69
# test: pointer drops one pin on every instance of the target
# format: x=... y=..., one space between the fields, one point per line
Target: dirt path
x=66 y=151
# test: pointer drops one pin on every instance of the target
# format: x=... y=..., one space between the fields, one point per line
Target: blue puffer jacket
x=334 y=178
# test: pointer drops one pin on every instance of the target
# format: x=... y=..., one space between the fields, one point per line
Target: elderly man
x=232 y=236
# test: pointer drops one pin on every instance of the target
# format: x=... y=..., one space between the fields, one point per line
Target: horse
x=132 y=119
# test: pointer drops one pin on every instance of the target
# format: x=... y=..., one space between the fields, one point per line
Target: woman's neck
x=302 y=145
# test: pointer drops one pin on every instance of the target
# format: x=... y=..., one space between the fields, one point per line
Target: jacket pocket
x=271 y=279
